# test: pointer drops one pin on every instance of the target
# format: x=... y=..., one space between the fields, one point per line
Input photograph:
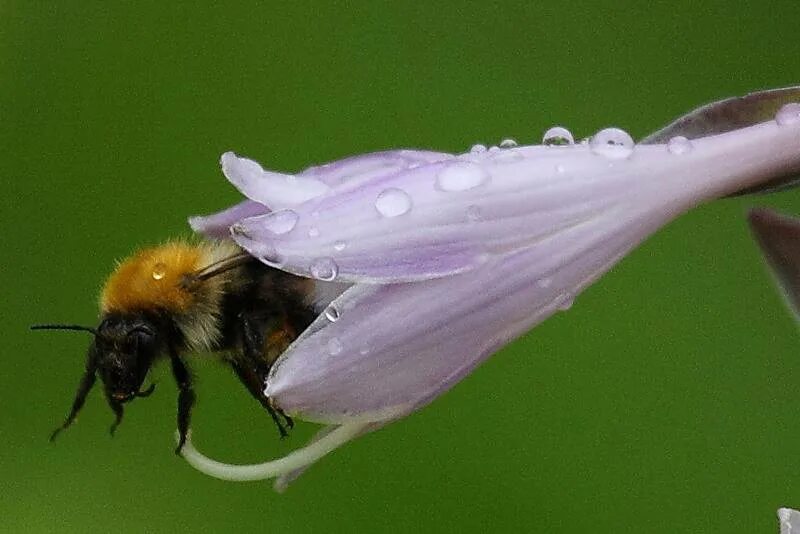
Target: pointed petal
x=451 y=216
x=731 y=114
x=726 y=115
x=779 y=239
x=218 y=225
x=272 y=189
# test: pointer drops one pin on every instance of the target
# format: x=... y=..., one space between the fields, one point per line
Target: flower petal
x=451 y=216
x=779 y=239
x=396 y=347
x=728 y=115
x=218 y=224
x=275 y=190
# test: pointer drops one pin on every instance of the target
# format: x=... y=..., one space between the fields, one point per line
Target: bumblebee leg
x=252 y=381
x=185 y=397
x=87 y=381
x=116 y=407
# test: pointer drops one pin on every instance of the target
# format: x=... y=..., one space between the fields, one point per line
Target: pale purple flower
x=448 y=257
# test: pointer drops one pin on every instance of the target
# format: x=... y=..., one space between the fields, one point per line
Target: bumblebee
x=179 y=298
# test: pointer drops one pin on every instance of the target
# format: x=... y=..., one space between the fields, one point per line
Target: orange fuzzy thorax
x=151 y=279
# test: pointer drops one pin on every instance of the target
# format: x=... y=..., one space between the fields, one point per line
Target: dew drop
x=544 y=282
x=788 y=114
x=508 y=143
x=331 y=313
x=560 y=169
x=612 y=143
x=558 y=136
x=478 y=148
x=280 y=222
x=565 y=301
x=461 y=176
x=474 y=213
x=393 y=202
x=494 y=148
x=159 y=271
x=334 y=346
x=324 y=269
x=339 y=246
x=313 y=231
x=679 y=145
x=507 y=156
x=364 y=351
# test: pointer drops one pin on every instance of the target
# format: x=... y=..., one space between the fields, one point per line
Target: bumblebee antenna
x=64 y=327
x=219 y=267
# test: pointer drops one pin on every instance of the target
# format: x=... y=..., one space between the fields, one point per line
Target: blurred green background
x=664 y=401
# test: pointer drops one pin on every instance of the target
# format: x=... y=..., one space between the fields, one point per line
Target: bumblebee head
x=123 y=351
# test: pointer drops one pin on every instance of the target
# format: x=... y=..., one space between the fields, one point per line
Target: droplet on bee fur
x=159 y=271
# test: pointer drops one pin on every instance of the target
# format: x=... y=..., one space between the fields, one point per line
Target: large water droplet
x=508 y=143
x=334 y=346
x=280 y=222
x=461 y=177
x=331 y=313
x=324 y=269
x=393 y=202
x=788 y=114
x=679 y=145
x=159 y=271
x=558 y=136
x=339 y=246
x=477 y=148
x=612 y=143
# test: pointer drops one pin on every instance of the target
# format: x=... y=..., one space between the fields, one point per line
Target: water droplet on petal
x=334 y=346
x=507 y=156
x=560 y=169
x=679 y=145
x=494 y=148
x=478 y=148
x=565 y=301
x=461 y=176
x=364 y=351
x=280 y=222
x=508 y=143
x=788 y=114
x=313 y=231
x=474 y=213
x=324 y=269
x=612 y=143
x=331 y=313
x=558 y=136
x=393 y=202
x=544 y=282
x=159 y=271
x=339 y=246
